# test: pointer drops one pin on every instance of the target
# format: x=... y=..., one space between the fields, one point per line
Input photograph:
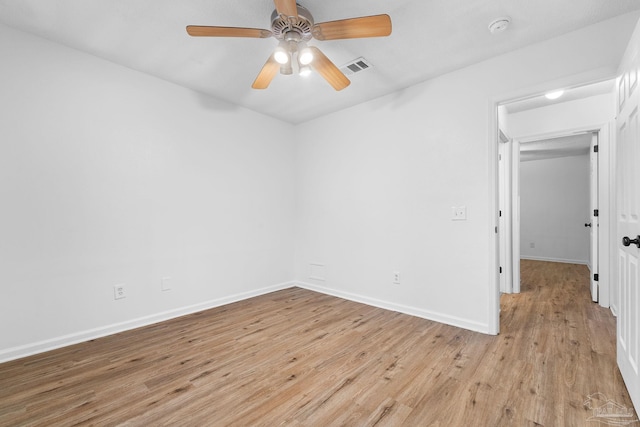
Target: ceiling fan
x=293 y=25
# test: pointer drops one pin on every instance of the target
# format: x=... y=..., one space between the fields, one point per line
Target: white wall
x=562 y=117
x=554 y=203
x=110 y=176
x=376 y=182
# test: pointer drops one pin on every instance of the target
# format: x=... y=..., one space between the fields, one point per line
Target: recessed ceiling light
x=554 y=95
x=499 y=25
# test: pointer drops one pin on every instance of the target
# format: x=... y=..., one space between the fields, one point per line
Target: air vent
x=355 y=66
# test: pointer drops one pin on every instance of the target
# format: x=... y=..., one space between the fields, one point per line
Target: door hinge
x=595 y=212
x=499 y=213
x=595 y=277
x=500 y=270
x=496 y=229
x=595 y=148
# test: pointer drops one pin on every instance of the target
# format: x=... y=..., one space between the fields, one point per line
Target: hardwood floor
x=300 y=358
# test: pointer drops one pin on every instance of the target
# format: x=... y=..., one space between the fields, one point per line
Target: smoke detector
x=499 y=25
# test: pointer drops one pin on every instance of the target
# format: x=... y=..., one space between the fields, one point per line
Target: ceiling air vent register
x=355 y=66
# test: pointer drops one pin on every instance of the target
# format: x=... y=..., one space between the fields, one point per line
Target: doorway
x=577 y=126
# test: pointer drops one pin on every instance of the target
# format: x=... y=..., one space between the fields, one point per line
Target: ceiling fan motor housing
x=292 y=28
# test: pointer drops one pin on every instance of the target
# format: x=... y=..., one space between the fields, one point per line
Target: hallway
x=566 y=343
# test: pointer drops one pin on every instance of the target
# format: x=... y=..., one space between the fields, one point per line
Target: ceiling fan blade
x=205 y=31
x=354 y=28
x=268 y=72
x=328 y=70
x=286 y=7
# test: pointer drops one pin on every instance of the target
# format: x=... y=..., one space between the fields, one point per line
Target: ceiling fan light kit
x=293 y=25
x=281 y=53
x=305 y=55
x=305 y=71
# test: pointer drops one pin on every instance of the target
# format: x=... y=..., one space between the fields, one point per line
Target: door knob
x=627 y=241
x=588 y=225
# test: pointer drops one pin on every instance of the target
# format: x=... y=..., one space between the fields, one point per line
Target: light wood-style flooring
x=300 y=358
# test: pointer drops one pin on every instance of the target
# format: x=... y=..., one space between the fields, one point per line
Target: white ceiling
x=566 y=146
x=429 y=38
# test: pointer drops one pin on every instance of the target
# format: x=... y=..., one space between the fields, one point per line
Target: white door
x=593 y=204
x=502 y=208
x=628 y=216
x=515 y=216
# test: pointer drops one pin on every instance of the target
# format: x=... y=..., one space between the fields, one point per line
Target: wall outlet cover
x=119 y=291
x=458 y=213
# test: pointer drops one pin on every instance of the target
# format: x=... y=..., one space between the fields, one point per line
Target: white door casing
x=606 y=219
x=594 y=218
x=628 y=219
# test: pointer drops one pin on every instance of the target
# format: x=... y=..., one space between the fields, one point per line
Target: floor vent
x=355 y=66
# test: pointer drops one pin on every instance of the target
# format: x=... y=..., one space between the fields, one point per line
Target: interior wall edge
x=31 y=349
x=400 y=308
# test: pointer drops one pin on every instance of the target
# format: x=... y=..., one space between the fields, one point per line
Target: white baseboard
x=413 y=311
x=82 y=336
x=565 y=261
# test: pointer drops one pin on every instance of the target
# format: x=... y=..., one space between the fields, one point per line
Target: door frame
x=605 y=206
x=509 y=227
x=594 y=203
x=504 y=217
x=582 y=79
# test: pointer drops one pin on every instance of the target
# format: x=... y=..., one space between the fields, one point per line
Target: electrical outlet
x=458 y=213
x=396 y=277
x=119 y=291
x=532 y=245
x=165 y=283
